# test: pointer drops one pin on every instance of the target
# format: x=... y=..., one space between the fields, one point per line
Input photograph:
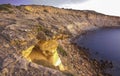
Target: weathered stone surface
x=20 y=27
x=44 y=53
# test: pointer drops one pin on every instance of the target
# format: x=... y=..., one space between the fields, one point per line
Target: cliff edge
x=24 y=26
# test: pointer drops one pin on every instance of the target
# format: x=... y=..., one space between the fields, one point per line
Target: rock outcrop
x=21 y=27
x=44 y=53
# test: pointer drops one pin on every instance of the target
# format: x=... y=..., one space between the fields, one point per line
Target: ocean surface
x=103 y=44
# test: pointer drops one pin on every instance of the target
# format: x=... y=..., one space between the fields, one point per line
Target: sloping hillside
x=24 y=26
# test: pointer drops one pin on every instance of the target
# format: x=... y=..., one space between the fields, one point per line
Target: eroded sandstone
x=44 y=53
x=20 y=30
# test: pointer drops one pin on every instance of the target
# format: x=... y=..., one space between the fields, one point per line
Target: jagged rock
x=19 y=30
x=44 y=53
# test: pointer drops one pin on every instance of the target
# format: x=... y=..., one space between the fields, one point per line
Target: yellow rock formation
x=29 y=8
x=44 y=52
x=60 y=36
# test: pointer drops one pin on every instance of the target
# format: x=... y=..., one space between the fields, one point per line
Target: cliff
x=24 y=26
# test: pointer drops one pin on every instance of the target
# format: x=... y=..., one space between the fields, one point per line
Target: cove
x=103 y=44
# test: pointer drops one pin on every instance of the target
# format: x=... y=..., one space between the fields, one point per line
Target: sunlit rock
x=44 y=53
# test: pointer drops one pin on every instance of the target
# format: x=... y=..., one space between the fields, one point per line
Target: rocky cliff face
x=21 y=27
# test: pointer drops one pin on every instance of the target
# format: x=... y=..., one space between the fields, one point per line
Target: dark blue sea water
x=103 y=44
